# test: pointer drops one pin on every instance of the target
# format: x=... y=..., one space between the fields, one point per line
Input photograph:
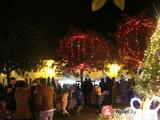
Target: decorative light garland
x=132 y=38
x=83 y=49
x=149 y=80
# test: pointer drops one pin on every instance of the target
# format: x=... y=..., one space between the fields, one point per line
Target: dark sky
x=56 y=17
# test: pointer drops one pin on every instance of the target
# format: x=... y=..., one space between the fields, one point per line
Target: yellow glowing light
x=151 y=65
x=49 y=63
x=50 y=72
x=49 y=69
x=113 y=70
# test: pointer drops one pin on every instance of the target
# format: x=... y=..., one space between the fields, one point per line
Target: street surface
x=88 y=113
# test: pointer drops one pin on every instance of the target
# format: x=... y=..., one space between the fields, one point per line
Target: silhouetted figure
x=79 y=99
x=49 y=81
x=124 y=92
x=34 y=88
x=103 y=85
x=1 y=91
x=109 y=83
x=53 y=84
x=9 y=98
x=114 y=90
x=87 y=88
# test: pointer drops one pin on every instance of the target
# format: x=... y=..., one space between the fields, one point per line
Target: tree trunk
x=3 y=82
x=8 y=73
x=81 y=76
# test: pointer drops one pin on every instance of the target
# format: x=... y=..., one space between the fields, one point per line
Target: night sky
x=57 y=17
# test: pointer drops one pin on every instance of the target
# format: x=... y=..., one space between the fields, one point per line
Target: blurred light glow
x=50 y=72
x=48 y=68
x=113 y=70
x=67 y=80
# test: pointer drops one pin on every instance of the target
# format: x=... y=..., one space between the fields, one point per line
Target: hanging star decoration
x=97 y=4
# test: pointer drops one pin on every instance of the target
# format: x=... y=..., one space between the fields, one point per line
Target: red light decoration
x=132 y=37
x=81 y=50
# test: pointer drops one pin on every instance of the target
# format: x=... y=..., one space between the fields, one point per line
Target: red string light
x=81 y=50
x=132 y=37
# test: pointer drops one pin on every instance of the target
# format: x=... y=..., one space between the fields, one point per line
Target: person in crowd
x=71 y=97
x=104 y=92
x=65 y=101
x=9 y=98
x=90 y=90
x=1 y=97
x=34 y=112
x=103 y=85
x=130 y=91
x=27 y=80
x=114 y=90
x=22 y=96
x=98 y=99
x=44 y=101
x=87 y=88
x=54 y=84
x=59 y=88
x=79 y=99
x=70 y=100
x=109 y=83
x=49 y=82
x=117 y=93
x=84 y=90
x=1 y=91
x=123 y=89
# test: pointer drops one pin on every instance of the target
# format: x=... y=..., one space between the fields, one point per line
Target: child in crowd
x=99 y=99
x=65 y=101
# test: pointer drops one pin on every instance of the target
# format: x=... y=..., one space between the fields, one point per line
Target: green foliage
x=19 y=48
x=149 y=79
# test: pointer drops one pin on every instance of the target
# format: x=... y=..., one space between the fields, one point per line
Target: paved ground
x=88 y=113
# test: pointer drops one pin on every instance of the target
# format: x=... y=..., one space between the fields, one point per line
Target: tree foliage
x=132 y=36
x=18 y=46
x=149 y=80
x=80 y=50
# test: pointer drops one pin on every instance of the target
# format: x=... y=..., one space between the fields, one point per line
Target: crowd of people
x=19 y=101
x=111 y=92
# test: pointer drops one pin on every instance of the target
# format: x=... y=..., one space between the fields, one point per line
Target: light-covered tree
x=80 y=50
x=149 y=80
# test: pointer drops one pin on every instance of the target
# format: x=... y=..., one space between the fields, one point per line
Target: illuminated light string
x=131 y=37
x=82 y=50
x=151 y=73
